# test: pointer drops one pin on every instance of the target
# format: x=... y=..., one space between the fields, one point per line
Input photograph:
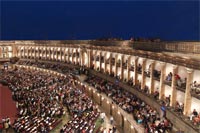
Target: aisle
x=7 y=104
x=65 y=118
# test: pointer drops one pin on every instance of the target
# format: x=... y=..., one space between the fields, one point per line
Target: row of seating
x=82 y=110
x=142 y=113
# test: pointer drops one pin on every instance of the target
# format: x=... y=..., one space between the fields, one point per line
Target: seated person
x=194 y=114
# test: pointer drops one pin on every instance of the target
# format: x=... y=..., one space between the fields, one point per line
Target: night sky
x=64 y=20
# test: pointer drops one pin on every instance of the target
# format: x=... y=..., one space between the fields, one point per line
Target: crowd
x=37 y=97
x=127 y=101
x=41 y=98
x=195 y=87
x=142 y=113
x=50 y=66
x=82 y=109
x=180 y=82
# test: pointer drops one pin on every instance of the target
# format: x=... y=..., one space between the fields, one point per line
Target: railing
x=185 y=47
x=4 y=59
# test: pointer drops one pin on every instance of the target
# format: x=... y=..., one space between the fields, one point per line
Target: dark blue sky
x=174 y=20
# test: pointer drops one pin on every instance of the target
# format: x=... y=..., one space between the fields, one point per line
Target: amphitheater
x=163 y=75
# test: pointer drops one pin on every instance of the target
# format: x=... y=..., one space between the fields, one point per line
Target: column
x=39 y=53
x=57 y=54
x=43 y=53
x=27 y=53
x=174 y=91
x=105 y=65
x=31 y=53
x=48 y=53
x=61 y=54
x=116 y=68
x=121 y=67
x=95 y=60
x=18 y=52
x=34 y=52
x=135 y=70
x=77 y=57
x=68 y=55
x=100 y=61
x=188 y=97
x=152 y=77
x=53 y=52
x=162 y=78
x=128 y=68
x=24 y=52
x=143 y=83
x=89 y=58
x=65 y=54
x=110 y=63
x=81 y=57
x=73 y=53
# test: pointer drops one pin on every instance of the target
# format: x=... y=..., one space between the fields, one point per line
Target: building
x=143 y=63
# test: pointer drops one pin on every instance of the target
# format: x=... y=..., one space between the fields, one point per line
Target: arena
x=140 y=87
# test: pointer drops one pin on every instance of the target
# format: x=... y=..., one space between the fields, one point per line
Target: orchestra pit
x=99 y=86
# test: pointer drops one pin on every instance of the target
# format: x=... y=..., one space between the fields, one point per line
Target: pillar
x=27 y=52
x=110 y=63
x=174 y=91
x=128 y=68
x=95 y=60
x=152 y=77
x=56 y=54
x=49 y=54
x=76 y=57
x=24 y=52
x=39 y=52
x=68 y=55
x=135 y=70
x=34 y=52
x=45 y=53
x=61 y=54
x=89 y=58
x=65 y=55
x=73 y=56
x=53 y=52
x=162 y=78
x=100 y=61
x=121 y=67
x=143 y=82
x=116 y=68
x=81 y=57
x=105 y=64
x=188 y=97
x=14 y=51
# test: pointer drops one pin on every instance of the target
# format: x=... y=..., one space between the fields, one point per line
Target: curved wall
x=69 y=54
x=84 y=55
